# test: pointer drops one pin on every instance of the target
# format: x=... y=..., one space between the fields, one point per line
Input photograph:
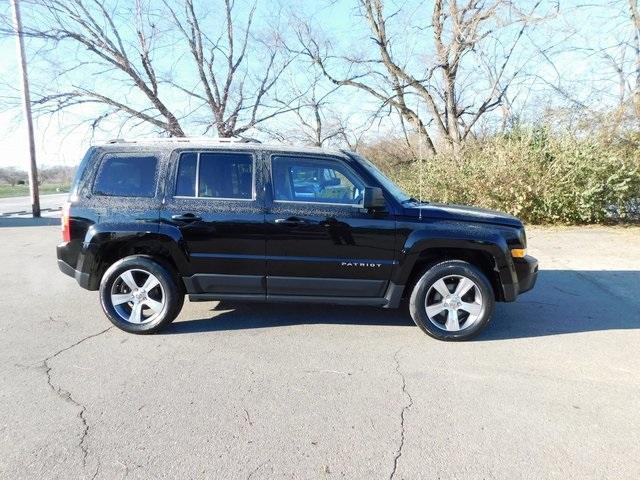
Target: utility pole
x=26 y=103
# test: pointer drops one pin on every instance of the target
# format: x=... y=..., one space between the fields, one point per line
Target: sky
x=63 y=138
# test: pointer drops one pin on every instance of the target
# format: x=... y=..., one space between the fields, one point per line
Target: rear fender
x=106 y=242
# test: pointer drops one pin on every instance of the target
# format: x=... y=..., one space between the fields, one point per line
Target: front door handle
x=291 y=221
x=186 y=217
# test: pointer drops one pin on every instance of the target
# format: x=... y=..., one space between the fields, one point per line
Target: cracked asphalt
x=550 y=390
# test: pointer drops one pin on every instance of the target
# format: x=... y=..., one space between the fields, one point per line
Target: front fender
x=417 y=242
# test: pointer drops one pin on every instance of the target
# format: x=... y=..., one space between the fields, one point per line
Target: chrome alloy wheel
x=453 y=303
x=137 y=296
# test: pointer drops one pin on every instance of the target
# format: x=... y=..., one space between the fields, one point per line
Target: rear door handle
x=186 y=217
x=291 y=221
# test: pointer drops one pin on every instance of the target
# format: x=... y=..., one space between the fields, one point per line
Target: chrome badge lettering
x=360 y=264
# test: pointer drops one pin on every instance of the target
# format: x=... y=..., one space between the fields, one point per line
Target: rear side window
x=127 y=176
x=215 y=175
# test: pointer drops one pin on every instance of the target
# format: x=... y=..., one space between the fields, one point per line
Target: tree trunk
x=635 y=17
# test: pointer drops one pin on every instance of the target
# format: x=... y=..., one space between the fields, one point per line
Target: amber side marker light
x=518 y=252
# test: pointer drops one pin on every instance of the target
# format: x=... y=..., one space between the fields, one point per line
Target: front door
x=212 y=200
x=320 y=242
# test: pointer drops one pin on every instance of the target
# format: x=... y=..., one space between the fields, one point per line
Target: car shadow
x=239 y=316
x=28 y=221
x=563 y=302
x=570 y=301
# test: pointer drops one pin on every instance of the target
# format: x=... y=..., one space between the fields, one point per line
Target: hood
x=463 y=213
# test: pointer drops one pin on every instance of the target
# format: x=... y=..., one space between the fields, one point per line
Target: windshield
x=391 y=187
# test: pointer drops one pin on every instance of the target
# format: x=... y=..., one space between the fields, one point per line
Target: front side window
x=215 y=175
x=126 y=176
x=314 y=181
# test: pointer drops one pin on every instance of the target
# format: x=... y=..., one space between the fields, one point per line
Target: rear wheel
x=453 y=300
x=139 y=295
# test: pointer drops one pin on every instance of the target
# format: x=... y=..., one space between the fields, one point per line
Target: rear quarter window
x=126 y=176
x=80 y=173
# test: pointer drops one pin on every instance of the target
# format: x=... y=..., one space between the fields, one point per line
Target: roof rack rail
x=186 y=140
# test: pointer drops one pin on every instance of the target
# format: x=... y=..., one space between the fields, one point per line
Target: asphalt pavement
x=550 y=390
x=22 y=205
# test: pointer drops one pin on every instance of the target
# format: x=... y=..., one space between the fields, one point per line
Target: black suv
x=150 y=221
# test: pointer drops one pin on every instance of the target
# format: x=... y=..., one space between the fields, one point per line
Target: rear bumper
x=82 y=278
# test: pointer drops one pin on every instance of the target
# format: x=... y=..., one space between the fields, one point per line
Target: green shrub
x=539 y=177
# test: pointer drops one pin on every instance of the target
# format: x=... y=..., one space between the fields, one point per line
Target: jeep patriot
x=150 y=221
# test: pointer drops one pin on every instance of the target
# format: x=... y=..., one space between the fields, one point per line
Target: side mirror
x=373 y=198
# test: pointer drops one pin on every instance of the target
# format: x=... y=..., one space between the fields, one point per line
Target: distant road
x=17 y=205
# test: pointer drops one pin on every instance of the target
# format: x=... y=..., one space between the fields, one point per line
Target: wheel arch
x=484 y=249
x=481 y=259
x=105 y=245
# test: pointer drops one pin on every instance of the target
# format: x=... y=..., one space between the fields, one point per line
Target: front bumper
x=527 y=273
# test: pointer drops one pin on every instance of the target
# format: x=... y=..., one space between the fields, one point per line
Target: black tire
x=168 y=293
x=451 y=271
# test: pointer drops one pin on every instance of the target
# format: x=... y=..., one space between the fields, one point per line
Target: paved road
x=551 y=390
x=23 y=204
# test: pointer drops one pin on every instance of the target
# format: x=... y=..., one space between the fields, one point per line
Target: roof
x=222 y=143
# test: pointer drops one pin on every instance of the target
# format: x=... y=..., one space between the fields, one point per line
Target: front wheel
x=453 y=300
x=140 y=295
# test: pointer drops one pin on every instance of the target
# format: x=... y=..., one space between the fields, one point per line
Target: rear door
x=320 y=242
x=212 y=200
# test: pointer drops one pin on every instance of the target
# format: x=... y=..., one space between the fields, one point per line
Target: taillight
x=66 y=227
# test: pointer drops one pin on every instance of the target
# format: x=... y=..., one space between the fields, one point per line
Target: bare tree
x=623 y=57
x=149 y=76
x=612 y=92
x=317 y=123
x=12 y=175
x=225 y=90
x=457 y=32
x=319 y=115
x=56 y=174
x=313 y=120
x=634 y=12
x=394 y=97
